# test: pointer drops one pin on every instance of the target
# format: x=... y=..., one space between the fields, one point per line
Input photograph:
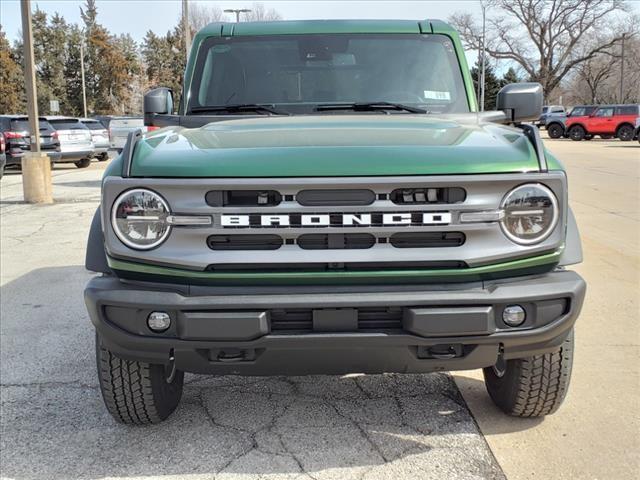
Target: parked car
x=550 y=111
x=100 y=138
x=556 y=124
x=76 y=144
x=3 y=155
x=17 y=137
x=608 y=120
x=120 y=127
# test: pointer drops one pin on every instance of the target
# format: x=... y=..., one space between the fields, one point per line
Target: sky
x=137 y=16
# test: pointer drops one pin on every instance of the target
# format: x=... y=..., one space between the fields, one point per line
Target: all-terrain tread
x=126 y=389
x=543 y=381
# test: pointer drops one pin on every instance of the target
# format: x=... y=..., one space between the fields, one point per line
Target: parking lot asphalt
x=53 y=424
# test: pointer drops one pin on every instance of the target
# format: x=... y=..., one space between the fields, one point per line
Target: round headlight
x=530 y=213
x=139 y=218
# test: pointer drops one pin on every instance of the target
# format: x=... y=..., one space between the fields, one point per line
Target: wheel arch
x=96 y=258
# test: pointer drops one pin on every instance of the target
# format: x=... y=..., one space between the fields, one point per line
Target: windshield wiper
x=369 y=106
x=238 y=108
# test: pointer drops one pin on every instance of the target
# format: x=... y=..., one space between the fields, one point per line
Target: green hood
x=333 y=145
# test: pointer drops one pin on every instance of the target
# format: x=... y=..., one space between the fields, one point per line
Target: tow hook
x=501 y=365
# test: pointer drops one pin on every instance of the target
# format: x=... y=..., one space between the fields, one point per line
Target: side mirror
x=157 y=101
x=520 y=101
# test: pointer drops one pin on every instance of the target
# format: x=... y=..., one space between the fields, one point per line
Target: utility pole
x=484 y=37
x=622 y=71
x=84 y=90
x=238 y=11
x=187 y=28
x=36 y=169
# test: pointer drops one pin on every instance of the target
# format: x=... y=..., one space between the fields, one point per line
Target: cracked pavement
x=53 y=424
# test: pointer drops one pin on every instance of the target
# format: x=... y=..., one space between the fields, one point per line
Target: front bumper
x=334 y=330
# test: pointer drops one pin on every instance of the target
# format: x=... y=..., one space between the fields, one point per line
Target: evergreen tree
x=510 y=77
x=105 y=66
x=72 y=73
x=491 y=82
x=12 y=94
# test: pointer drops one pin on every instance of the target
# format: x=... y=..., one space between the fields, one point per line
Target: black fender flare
x=96 y=258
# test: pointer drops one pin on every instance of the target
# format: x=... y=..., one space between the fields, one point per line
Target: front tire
x=577 y=133
x=533 y=386
x=137 y=393
x=555 y=130
x=103 y=157
x=625 y=133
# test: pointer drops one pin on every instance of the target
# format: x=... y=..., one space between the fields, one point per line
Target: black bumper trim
x=345 y=352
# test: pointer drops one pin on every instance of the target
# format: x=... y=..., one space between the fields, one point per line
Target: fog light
x=158 y=321
x=514 y=315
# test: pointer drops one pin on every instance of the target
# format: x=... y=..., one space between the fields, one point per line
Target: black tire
x=625 y=133
x=577 y=133
x=555 y=130
x=137 y=393
x=84 y=163
x=534 y=386
x=103 y=157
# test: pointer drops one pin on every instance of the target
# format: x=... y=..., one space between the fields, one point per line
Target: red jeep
x=607 y=121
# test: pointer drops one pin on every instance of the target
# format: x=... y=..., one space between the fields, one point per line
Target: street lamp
x=237 y=11
x=483 y=55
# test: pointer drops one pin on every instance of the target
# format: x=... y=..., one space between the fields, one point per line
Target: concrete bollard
x=36 y=178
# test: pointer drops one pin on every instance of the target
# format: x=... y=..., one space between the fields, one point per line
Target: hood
x=333 y=145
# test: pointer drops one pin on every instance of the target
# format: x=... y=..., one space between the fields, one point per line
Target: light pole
x=483 y=55
x=84 y=89
x=622 y=71
x=237 y=11
x=187 y=28
x=36 y=169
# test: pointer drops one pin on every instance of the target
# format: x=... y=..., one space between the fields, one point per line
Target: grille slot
x=243 y=198
x=314 y=198
x=429 y=195
x=336 y=241
x=329 y=267
x=244 y=242
x=369 y=319
x=427 y=239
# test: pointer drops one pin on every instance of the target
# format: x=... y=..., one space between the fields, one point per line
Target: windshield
x=296 y=73
x=94 y=125
x=23 y=125
x=67 y=125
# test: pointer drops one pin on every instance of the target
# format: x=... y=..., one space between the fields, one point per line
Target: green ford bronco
x=327 y=200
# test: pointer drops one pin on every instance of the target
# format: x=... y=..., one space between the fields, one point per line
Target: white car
x=99 y=136
x=76 y=144
x=119 y=129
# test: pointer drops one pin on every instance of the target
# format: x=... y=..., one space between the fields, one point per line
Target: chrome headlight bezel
x=122 y=236
x=549 y=229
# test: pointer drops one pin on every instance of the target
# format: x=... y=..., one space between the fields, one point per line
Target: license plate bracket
x=335 y=320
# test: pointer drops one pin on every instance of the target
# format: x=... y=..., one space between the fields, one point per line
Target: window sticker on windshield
x=436 y=95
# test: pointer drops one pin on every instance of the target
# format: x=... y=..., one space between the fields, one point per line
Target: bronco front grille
x=334 y=224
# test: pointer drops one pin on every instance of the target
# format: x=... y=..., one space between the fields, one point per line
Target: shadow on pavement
x=54 y=425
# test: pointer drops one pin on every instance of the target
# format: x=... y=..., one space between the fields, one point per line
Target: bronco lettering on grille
x=390 y=219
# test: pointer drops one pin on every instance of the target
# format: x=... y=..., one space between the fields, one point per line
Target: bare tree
x=202 y=15
x=259 y=13
x=597 y=80
x=546 y=38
